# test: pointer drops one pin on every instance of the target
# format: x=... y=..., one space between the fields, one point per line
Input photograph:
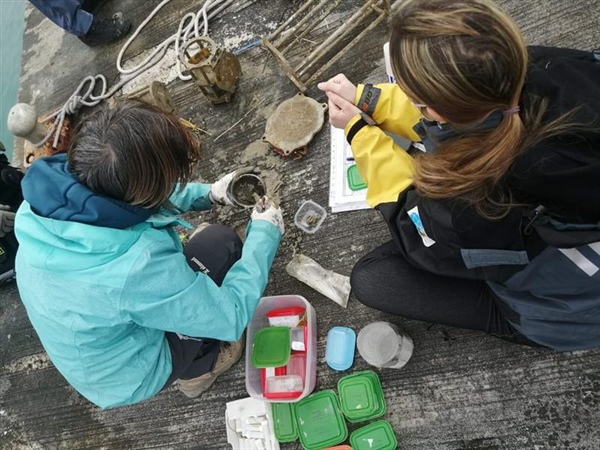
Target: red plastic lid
x=282 y=395
x=291 y=311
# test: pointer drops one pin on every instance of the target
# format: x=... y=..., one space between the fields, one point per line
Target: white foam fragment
x=248 y=425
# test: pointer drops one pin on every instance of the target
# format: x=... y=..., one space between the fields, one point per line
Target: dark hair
x=133 y=152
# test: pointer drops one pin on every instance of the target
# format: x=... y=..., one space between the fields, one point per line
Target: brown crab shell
x=294 y=123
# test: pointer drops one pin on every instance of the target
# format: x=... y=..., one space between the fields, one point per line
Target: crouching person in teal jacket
x=121 y=307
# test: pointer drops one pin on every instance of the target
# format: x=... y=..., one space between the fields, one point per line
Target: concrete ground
x=461 y=389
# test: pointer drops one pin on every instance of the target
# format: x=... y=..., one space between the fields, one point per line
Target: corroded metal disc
x=294 y=123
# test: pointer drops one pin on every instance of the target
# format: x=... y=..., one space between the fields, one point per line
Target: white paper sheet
x=341 y=197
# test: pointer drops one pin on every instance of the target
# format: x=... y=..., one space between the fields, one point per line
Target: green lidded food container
x=361 y=396
x=320 y=421
x=375 y=436
x=355 y=181
x=271 y=347
x=284 y=421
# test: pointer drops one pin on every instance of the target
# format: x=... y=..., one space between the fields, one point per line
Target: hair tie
x=511 y=111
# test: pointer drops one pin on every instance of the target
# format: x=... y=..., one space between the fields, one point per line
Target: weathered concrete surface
x=461 y=390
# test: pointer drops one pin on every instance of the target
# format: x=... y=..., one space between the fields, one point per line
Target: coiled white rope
x=192 y=24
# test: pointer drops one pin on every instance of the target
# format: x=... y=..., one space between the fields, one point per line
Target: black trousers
x=212 y=251
x=385 y=281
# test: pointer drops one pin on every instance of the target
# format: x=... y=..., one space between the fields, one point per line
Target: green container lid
x=320 y=421
x=284 y=419
x=271 y=347
x=361 y=396
x=355 y=181
x=375 y=436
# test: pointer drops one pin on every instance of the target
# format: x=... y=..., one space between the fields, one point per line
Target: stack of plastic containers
x=375 y=436
x=361 y=396
x=319 y=420
x=281 y=359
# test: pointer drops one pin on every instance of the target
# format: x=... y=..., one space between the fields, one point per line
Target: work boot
x=229 y=354
x=105 y=31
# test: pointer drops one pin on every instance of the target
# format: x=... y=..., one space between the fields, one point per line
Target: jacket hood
x=55 y=193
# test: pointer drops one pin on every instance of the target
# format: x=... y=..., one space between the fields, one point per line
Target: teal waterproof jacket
x=103 y=281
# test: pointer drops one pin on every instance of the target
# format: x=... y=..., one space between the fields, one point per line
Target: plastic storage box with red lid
x=285 y=309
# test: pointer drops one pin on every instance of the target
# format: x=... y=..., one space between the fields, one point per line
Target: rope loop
x=189 y=26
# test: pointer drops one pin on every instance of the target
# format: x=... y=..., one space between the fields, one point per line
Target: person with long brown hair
x=122 y=308
x=494 y=209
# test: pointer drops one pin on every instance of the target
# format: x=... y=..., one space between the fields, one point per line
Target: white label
x=416 y=220
x=284 y=321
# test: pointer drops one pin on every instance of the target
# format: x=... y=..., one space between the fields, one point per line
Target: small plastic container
x=339 y=352
x=375 y=436
x=382 y=344
x=284 y=421
x=284 y=387
x=297 y=365
x=310 y=216
x=260 y=320
x=298 y=340
x=286 y=317
x=271 y=347
x=355 y=181
x=361 y=396
x=320 y=421
x=270 y=372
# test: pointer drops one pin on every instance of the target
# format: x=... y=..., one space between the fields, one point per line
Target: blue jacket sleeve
x=163 y=292
x=193 y=197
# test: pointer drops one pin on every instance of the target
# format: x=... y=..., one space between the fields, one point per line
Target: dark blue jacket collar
x=433 y=133
x=55 y=193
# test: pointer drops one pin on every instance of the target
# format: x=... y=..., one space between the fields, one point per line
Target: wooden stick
x=312 y=59
x=278 y=31
x=242 y=118
x=292 y=31
x=353 y=42
x=285 y=65
x=310 y=27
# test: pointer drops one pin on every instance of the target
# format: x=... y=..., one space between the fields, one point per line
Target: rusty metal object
x=24 y=122
x=294 y=124
x=155 y=94
x=216 y=71
x=306 y=69
x=31 y=153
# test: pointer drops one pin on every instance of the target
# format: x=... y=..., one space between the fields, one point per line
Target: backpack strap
x=560 y=234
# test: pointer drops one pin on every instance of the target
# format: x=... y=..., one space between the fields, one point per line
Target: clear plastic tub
x=310 y=216
x=383 y=344
x=260 y=320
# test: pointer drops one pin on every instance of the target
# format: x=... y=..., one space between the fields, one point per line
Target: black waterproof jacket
x=543 y=260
